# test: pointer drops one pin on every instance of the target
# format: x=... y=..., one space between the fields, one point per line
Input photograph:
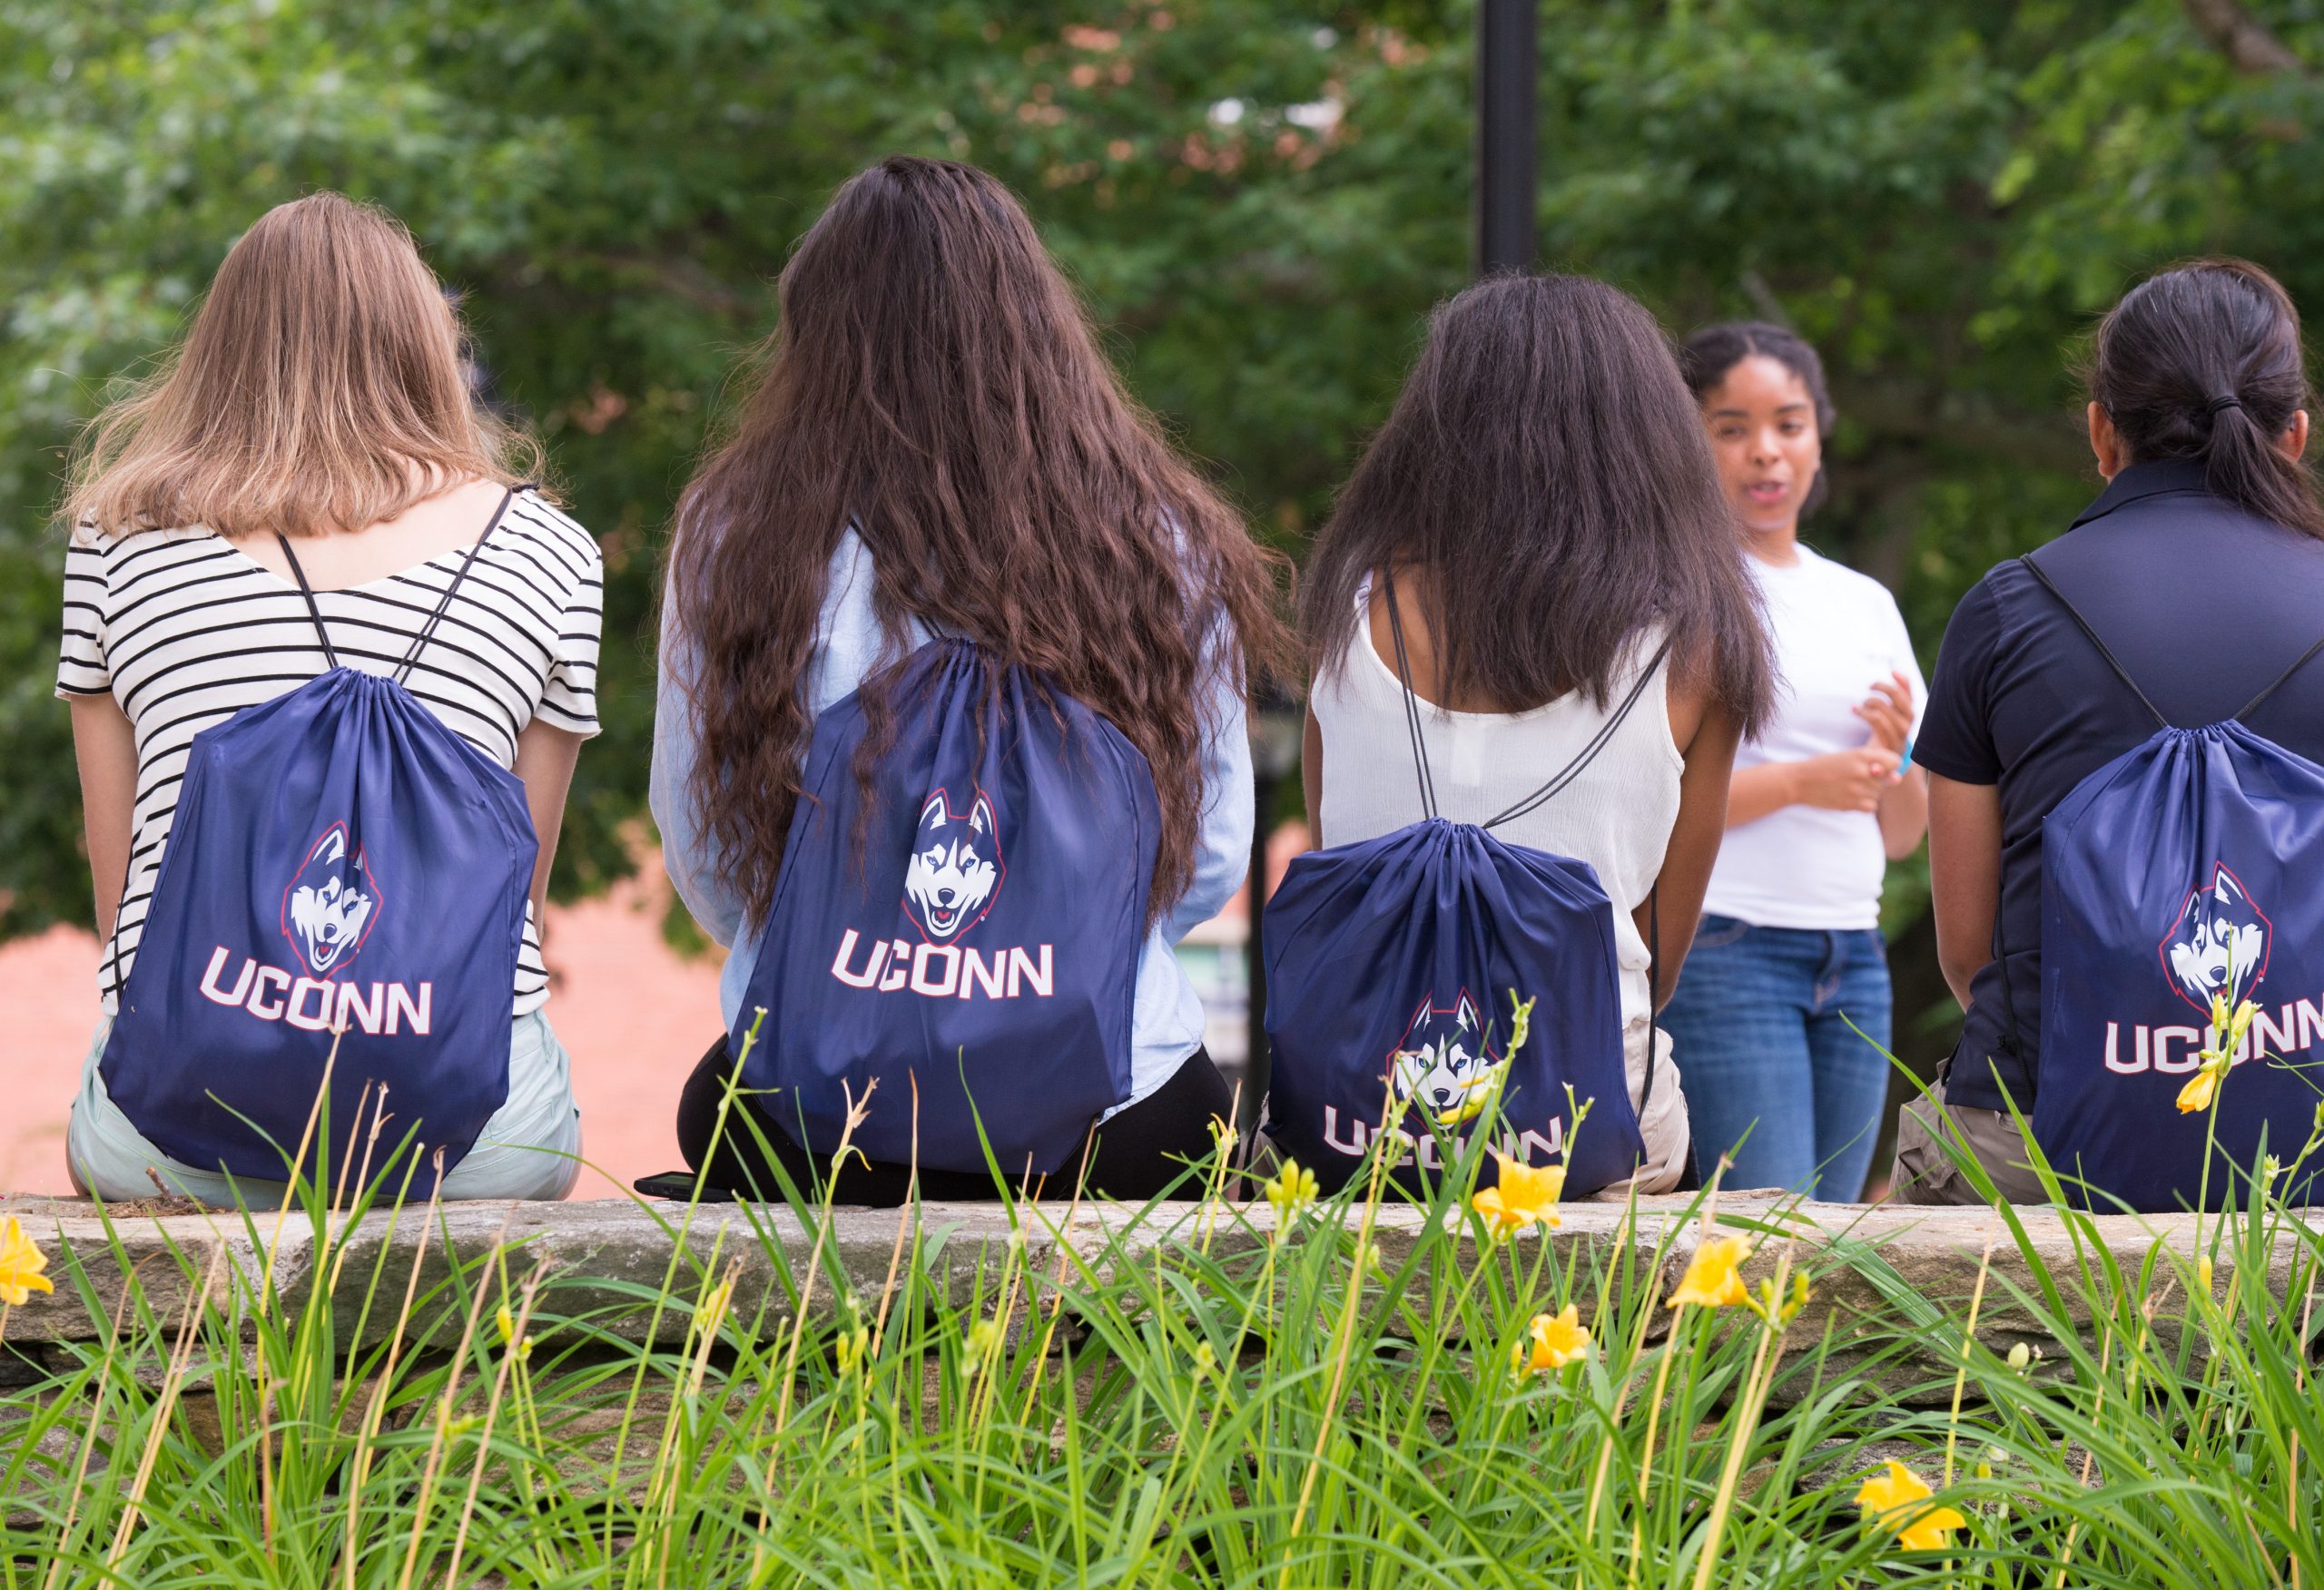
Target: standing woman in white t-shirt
x=1783 y=1015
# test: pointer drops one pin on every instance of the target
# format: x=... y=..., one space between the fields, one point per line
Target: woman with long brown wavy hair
x=937 y=447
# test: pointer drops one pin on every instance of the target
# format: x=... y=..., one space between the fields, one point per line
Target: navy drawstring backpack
x=341 y=866
x=2185 y=870
x=961 y=929
x=1392 y=962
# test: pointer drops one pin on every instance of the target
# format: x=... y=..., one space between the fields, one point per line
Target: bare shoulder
x=1693 y=697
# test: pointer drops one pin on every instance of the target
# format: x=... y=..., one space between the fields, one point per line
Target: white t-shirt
x=1837 y=631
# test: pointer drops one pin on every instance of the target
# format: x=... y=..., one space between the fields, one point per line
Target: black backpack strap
x=315 y=609
x=2104 y=651
x=1653 y=987
x=1412 y=701
x=403 y=670
x=2256 y=701
x=1588 y=753
x=2248 y=708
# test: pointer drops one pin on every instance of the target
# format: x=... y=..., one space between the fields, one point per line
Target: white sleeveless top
x=1617 y=814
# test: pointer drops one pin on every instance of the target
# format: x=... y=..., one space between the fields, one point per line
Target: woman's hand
x=1845 y=780
x=1888 y=713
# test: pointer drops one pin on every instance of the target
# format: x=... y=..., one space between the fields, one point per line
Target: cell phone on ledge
x=679 y=1187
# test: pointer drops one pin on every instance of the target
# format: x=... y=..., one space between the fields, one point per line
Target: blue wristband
x=1906 y=760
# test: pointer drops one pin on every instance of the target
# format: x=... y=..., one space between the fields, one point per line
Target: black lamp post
x=1508 y=73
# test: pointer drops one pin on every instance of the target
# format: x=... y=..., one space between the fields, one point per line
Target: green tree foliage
x=1261 y=199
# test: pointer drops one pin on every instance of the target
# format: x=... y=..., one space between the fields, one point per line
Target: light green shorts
x=529 y=1148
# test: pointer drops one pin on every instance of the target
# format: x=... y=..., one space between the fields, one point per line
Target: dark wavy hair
x=1547 y=467
x=2203 y=361
x=934 y=382
x=1706 y=358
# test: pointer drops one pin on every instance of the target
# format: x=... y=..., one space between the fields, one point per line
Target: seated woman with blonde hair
x=331 y=666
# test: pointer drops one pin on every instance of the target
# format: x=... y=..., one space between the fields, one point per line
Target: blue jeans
x=529 y=1148
x=1759 y=1027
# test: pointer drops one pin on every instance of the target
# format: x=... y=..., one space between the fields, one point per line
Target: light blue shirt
x=1166 y=1018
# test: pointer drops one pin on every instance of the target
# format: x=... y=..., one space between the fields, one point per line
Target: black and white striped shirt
x=185 y=630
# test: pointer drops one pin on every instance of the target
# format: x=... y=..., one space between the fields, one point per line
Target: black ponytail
x=2203 y=361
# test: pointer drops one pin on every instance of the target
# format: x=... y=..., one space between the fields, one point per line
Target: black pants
x=1139 y=1152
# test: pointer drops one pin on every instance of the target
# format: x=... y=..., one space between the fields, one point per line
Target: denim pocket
x=1718 y=932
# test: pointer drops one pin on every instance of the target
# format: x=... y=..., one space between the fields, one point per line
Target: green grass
x=1241 y=1406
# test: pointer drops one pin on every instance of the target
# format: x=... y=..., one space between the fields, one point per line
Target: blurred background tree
x=1262 y=199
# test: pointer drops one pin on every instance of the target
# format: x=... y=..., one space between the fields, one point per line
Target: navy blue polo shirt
x=2203 y=603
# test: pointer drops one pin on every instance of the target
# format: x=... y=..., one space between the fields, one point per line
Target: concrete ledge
x=1877 y=1267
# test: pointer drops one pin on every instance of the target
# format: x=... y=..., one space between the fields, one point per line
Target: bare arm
x=546 y=757
x=105 y=746
x=1311 y=777
x=1708 y=749
x=1903 y=814
x=1964 y=876
x=1761 y=791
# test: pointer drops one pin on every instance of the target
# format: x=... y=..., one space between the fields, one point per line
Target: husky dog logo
x=955 y=868
x=1443 y=1058
x=2219 y=944
x=331 y=905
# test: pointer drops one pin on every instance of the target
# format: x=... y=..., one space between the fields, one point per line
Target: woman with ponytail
x=2200 y=572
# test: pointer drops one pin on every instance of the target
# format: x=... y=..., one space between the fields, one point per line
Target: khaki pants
x=1926 y=1174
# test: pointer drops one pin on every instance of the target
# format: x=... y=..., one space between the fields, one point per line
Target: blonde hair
x=320 y=388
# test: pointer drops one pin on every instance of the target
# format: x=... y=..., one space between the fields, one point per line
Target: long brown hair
x=2203 y=361
x=320 y=388
x=1547 y=467
x=934 y=383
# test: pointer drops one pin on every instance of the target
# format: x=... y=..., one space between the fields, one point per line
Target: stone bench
x=592 y=1252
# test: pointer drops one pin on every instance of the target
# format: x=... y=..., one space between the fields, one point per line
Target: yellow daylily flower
x=1711 y=1281
x=1520 y=1196
x=851 y=1348
x=1476 y=1094
x=979 y=1343
x=1292 y=1190
x=21 y=1263
x=1551 y=1342
x=504 y=1323
x=2203 y=1086
x=2230 y=1026
x=1891 y=1500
